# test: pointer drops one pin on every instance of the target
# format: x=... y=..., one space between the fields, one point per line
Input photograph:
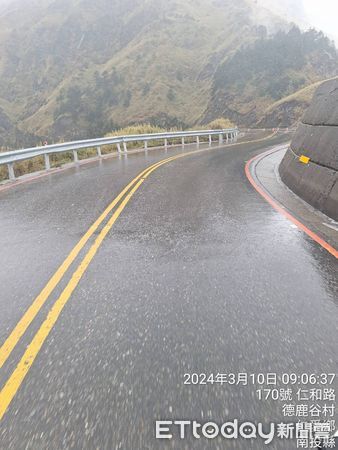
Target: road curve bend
x=112 y=290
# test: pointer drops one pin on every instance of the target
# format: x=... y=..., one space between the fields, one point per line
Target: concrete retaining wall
x=316 y=138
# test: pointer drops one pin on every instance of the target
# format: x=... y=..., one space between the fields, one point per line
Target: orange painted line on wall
x=282 y=211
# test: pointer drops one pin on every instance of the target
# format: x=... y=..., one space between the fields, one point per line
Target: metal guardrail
x=12 y=157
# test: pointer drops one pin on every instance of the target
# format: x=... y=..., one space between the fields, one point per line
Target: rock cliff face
x=317 y=138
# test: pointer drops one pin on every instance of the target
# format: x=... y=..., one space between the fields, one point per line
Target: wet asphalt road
x=198 y=275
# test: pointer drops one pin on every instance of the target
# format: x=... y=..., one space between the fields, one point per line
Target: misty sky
x=323 y=14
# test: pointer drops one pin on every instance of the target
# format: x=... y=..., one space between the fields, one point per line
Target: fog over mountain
x=78 y=68
x=321 y=14
x=289 y=9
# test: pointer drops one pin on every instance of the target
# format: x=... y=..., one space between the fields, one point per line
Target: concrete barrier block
x=319 y=143
x=324 y=107
x=313 y=183
x=316 y=138
x=331 y=204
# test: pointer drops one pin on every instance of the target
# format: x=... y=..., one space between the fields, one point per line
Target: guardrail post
x=125 y=147
x=210 y=139
x=166 y=142
x=99 y=153
x=197 y=140
x=47 y=162
x=220 y=138
x=76 y=157
x=145 y=145
x=183 y=141
x=119 y=147
x=11 y=174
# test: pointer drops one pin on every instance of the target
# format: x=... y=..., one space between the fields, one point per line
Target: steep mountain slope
x=12 y=136
x=77 y=68
x=71 y=68
x=289 y=110
x=271 y=68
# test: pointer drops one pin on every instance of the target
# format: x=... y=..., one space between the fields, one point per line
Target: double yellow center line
x=15 y=380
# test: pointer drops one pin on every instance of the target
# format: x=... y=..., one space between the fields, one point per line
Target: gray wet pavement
x=198 y=275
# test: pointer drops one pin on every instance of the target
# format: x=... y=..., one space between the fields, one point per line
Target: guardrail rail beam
x=12 y=157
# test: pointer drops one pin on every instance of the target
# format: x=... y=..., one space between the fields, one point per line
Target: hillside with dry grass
x=76 y=69
x=289 y=110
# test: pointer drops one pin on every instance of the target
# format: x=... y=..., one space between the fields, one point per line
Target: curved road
x=198 y=274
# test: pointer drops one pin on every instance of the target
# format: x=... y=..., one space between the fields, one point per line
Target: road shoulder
x=262 y=172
